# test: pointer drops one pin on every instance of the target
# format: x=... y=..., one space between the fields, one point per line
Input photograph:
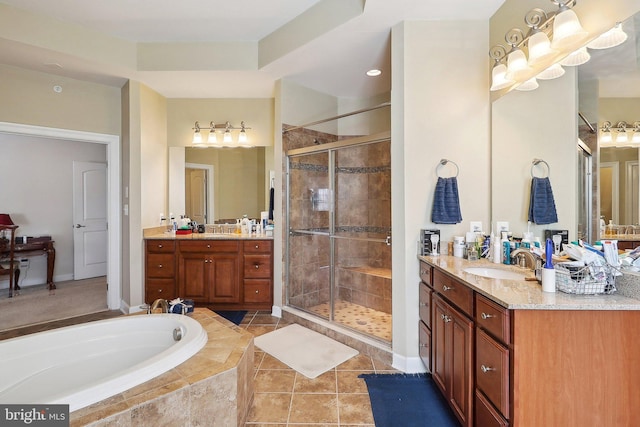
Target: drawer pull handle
x=447 y=288
x=486 y=369
x=159 y=291
x=208 y=246
x=486 y=316
x=257 y=246
x=257 y=266
x=159 y=246
x=159 y=265
x=257 y=292
x=446 y=318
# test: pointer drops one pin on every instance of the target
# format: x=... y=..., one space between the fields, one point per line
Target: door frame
x=113 y=192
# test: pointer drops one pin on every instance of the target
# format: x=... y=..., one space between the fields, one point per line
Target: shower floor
x=367 y=320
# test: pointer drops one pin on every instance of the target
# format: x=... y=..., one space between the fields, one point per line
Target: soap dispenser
x=246 y=225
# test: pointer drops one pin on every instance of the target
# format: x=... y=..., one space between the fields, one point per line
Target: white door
x=89 y=220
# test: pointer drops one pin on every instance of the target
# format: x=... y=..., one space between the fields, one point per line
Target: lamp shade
x=622 y=137
x=517 y=65
x=553 y=72
x=539 y=48
x=611 y=38
x=5 y=219
x=498 y=78
x=530 y=84
x=605 y=136
x=567 y=30
x=635 y=137
x=577 y=57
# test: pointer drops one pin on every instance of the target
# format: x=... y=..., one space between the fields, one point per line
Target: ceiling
x=333 y=59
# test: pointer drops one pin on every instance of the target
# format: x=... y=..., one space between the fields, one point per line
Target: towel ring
x=444 y=162
x=537 y=162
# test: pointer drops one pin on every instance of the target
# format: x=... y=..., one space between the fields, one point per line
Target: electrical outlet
x=24 y=263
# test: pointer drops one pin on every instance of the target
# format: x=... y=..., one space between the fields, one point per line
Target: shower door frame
x=329 y=148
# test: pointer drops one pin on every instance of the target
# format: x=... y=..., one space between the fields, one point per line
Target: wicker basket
x=586 y=280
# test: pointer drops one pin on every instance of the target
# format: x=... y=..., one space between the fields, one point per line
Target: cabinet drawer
x=161 y=265
x=159 y=288
x=425 y=305
x=492 y=371
x=257 y=291
x=454 y=291
x=425 y=273
x=258 y=246
x=493 y=318
x=257 y=266
x=161 y=246
x=424 y=339
x=210 y=246
x=486 y=415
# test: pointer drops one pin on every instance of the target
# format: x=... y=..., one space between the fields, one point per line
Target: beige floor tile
x=270 y=408
x=325 y=383
x=354 y=409
x=260 y=329
x=267 y=381
x=264 y=319
x=314 y=408
x=270 y=362
x=348 y=382
x=357 y=363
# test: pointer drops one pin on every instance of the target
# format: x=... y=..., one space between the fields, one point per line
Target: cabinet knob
x=486 y=369
x=447 y=288
x=208 y=246
x=159 y=265
x=159 y=291
x=159 y=246
x=446 y=318
x=206 y=261
x=257 y=266
x=257 y=246
x=486 y=316
x=257 y=292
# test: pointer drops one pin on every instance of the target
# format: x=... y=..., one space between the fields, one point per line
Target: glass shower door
x=309 y=248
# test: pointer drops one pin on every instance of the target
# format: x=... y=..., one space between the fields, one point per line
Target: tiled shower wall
x=363 y=210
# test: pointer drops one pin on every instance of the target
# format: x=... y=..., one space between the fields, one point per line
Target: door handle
x=80 y=226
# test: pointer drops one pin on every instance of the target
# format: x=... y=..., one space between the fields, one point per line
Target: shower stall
x=338 y=249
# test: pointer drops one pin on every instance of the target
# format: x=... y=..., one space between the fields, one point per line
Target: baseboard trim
x=410 y=365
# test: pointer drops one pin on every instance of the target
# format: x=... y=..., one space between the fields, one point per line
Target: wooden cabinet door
x=439 y=344
x=460 y=356
x=194 y=277
x=225 y=278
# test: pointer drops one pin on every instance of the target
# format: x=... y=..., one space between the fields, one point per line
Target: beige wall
x=28 y=98
x=440 y=109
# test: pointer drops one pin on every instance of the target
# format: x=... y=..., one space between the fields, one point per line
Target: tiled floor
x=283 y=397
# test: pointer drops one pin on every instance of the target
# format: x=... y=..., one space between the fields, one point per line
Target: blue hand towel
x=542 y=207
x=446 y=203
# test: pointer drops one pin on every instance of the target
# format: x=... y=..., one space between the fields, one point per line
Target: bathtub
x=83 y=364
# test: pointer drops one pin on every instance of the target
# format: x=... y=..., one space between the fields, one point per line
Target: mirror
x=218 y=184
x=539 y=124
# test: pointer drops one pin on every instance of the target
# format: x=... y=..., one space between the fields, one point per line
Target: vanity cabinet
x=160 y=270
x=232 y=274
x=209 y=271
x=452 y=344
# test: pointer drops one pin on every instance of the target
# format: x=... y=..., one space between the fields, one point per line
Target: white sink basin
x=494 y=273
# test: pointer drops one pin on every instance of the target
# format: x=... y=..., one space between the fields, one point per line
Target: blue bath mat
x=232 y=316
x=407 y=400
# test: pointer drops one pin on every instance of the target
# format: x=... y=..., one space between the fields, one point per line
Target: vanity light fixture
x=622 y=137
x=614 y=37
x=605 y=134
x=531 y=84
x=374 y=72
x=577 y=57
x=539 y=44
x=636 y=132
x=567 y=30
x=227 y=138
x=499 y=78
x=517 y=64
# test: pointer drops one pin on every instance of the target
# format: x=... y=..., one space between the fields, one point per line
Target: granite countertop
x=206 y=236
x=522 y=294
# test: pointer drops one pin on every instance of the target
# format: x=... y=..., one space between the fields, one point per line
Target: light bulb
x=212 y=139
x=539 y=48
x=517 y=65
x=605 y=136
x=498 y=77
x=227 y=136
x=622 y=137
x=635 y=137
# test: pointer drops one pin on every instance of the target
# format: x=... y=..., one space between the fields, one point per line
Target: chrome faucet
x=531 y=260
x=162 y=303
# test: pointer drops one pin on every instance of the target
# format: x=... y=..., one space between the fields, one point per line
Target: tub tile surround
x=214 y=387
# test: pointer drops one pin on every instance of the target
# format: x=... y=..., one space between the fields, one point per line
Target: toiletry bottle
x=238 y=227
x=496 y=251
x=246 y=225
x=506 y=251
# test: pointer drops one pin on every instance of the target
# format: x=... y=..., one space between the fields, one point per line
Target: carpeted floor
x=407 y=400
x=37 y=304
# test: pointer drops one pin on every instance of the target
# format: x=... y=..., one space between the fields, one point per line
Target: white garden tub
x=83 y=364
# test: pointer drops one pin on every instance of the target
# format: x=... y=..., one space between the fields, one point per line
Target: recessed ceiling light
x=374 y=72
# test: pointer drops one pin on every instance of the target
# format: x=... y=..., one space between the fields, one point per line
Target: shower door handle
x=388 y=240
